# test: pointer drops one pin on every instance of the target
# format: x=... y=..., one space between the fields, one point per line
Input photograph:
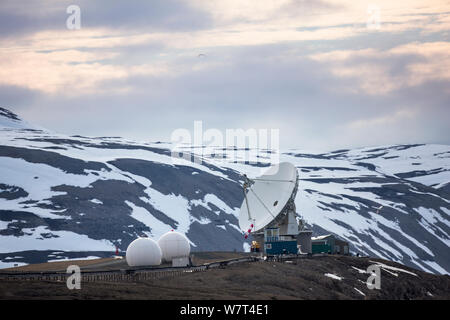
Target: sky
x=327 y=74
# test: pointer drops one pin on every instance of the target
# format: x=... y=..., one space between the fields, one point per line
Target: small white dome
x=143 y=252
x=174 y=245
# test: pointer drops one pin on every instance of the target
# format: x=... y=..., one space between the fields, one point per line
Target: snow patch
x=360 y=292
x=65 y=240
x=386 y=267
x=333 y=276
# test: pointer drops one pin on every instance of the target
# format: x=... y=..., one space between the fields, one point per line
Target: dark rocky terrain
x=292 y=279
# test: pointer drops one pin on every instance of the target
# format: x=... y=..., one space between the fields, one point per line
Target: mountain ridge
x=68 y=196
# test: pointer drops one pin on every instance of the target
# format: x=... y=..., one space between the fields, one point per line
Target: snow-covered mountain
x=73 y=196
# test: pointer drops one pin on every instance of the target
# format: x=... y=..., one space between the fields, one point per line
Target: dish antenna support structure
x=268 y=211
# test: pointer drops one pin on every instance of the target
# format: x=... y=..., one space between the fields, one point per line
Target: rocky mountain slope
x=73 y=196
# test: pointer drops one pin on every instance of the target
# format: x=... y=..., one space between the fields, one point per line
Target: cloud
x=17 y=98
x=380 y=122
x=309 y=68
x=383 y=71
x=255 y=87
x=81 y=63
x=68 y=72
x=17 y=18
x=142 y=15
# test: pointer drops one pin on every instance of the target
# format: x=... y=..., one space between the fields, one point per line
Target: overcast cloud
x=141 y=69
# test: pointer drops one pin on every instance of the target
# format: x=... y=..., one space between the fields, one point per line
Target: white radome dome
x=174 y=245
x=143 y=252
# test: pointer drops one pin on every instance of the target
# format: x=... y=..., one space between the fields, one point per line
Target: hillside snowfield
x=66 y=197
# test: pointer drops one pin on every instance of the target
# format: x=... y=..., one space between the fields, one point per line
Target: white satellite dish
x=269 y=199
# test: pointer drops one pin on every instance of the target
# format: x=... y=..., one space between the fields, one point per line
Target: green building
x=329 y=244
